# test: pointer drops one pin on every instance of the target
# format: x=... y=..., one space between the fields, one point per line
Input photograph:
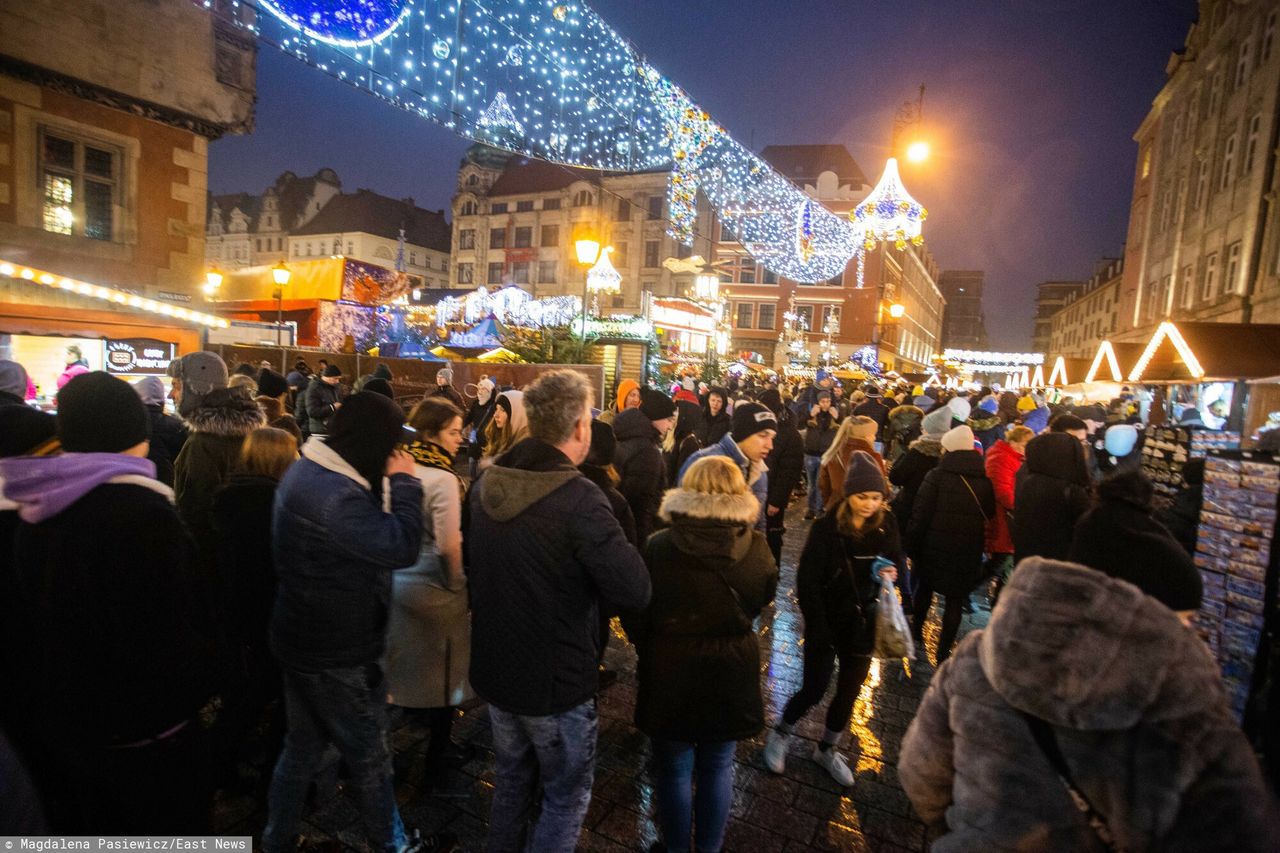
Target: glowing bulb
x=918 y=152
x=897 y=310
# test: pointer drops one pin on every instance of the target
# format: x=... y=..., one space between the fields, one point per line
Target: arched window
x=382 y=252
x=582 y=198
x=473 y=179
x=468 y=208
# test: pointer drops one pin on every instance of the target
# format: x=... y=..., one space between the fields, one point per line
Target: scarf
x=428 y=454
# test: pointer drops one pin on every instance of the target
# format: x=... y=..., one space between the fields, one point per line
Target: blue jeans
x=678 y=807
x=348 y=708
x=812 y=465
x=556 y=751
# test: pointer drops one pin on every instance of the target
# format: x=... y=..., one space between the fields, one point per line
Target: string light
x=1168 y=331
x=890 y=214
x=1107 y=351
x=554 y=81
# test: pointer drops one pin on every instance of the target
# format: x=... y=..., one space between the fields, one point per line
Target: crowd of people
x=284 y=565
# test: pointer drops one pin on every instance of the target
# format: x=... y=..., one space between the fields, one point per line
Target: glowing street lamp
x=918 y=152
x=280 y=274
x=588 y=251
x=897 y=310
x=212 y=281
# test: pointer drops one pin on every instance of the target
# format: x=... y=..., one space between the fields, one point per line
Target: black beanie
x=773 y=399
x=364 y=432
x=383 y=372
x=751 y=418
x=864 y=475
x=378 y=385
x=655 y=405
x=604 y=445
x=98 y=413
x=271 y=384
x=333 y=370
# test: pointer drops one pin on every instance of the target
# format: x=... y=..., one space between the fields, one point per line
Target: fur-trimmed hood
x=710 y=525
x=226 y=411
x=927 y=447
x=902 y=416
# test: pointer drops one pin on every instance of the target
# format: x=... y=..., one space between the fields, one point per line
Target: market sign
x=631 y=327
x=661 y=315
x=140 y=356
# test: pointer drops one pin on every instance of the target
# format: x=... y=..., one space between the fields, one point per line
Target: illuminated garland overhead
x=554 y=81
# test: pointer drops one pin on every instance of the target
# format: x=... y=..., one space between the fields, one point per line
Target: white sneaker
x=834 y=763
x=775 y=751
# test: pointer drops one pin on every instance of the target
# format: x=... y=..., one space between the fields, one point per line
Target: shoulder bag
x=1044 y=738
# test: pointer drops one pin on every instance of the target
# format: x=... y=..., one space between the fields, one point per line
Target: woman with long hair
x=507 y=427
x=848 y=551
x=855 y=434
x=429 y=636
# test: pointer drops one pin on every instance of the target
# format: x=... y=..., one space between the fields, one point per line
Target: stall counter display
x=1234 y=555
x=1166 y=449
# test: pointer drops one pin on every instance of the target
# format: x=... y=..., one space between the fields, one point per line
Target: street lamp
x=280 y=275
x=212 y=281
x=918 y=152
x=588 y=251
x=897 y=310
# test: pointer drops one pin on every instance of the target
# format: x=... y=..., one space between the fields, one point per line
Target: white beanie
x=960 y=408
x=960 y=438
x=1120 y=439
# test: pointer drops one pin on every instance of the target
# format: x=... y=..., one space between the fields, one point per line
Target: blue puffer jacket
x=335 y=550
x=756 y=474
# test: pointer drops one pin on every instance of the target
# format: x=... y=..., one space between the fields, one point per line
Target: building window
x=683 y=251
x=546 y=272
x=1202 y=184
x=524 y=206
x=805 y=313
x=467 y=238
x=550 y=236
x=655 y=207
x=308 y=250
x=1242 y=64
x=297 y=250
x=1187 y=295
x=1215 y=95
x=498 y=207
x=524 y=236
x=582 y=198
x=726 y=234
x=495 y=272
x=472 y=180
x=836 y=280
x=622 y=213
x=1210 y=281
x=1251 y=143
x=1146 y=162
x=468 y=209
x=620 y=254
x=746 y=311
x=520 y=272
x=382 y=252
x=351 y=248
x=830 y=312
x=551 y=204
x=280 y=244
x=80 y=182
x=258 y=244
x=413 y=259
x=1268 y=39
x=768 y=276
x=465 y=273
x=765 y=316
x=747 y=272
x=497 y=238
x=1228 y=163
x=1230 y=283
x=650 y=253
x=619 y=300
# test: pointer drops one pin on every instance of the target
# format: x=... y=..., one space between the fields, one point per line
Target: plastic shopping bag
x=893 y=637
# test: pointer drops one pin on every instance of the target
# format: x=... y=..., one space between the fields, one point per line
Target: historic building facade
x=1090 y=314
x=964 y=324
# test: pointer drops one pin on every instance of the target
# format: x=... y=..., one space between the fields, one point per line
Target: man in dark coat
x=168 y=434
x=873 y=407
x=639 y=460
x=921 y=457
x=324 y=399
x=785 y=464
x=105 y=596
x=445 y=390
x=948 y=534
x=1051 y=494
x=544 y=549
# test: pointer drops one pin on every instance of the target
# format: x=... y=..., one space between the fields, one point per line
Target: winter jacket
x=831 y=475
x=168 y=435
x=478 y=417
x=640 y=464
x=834 y=584
x=877 y=411
x=544 y=549
x=617 y=503
x=1182 y=517
x=1136 y=706
x=785 y=463
x=713 y=427
x=321 y=404
x=699 y=656
x=447 y=392
x=948 y=523
x=1002 y=464
x=755 y=473
x=104 y=600
x=241 y=517
x=987 y=428
x=820 y=431
x=904 y=428
x=335 y=550
x=909 y=472
x=1051 y=493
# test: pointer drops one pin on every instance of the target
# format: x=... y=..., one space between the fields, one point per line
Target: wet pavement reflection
x=804 y=809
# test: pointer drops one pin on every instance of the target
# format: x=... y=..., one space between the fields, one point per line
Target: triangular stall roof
x=1205 y=352
x=1112 y=362
x=1067 y=371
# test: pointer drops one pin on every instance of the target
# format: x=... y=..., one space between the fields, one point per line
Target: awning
x=1208 y=352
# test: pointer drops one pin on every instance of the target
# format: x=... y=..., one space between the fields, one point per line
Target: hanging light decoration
x=604 y=276
x=889 y=214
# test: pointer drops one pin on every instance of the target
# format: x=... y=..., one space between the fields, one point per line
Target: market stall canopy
x=1112 y=362
x=1066 y=371
x=335 y=278
x=488 y=333
x=1206 y=352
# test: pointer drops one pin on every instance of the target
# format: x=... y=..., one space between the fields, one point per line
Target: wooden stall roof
x=1196 y=352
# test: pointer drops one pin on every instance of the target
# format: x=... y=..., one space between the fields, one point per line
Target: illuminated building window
x=80 y=183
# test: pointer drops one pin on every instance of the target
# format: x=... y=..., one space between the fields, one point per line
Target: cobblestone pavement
x=801 y=810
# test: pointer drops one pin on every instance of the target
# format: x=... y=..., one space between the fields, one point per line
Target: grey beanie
x=200 y=373
x=445 y=373
x=13 y=379
x=151 y=390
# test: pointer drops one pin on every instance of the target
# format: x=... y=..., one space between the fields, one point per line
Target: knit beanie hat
x=1037 y=419
x=655 y=405
x=13 y=379
x=625 y=387
x=381 y=371
x=378 y=385
x=936 y=423
x=1026 y=403
x=773 y=399
x=98 y=413
x=863 y=475
x=923 y=403
x=960 y=438
x=604 y=445
x=445 y=373
x=864 y=428
x=200 y=373
x=989 y=404
x=960 y=408
x=1120 y=439
x=751 y=418
x=271 y=384
x=332 y=370
x=150 y=390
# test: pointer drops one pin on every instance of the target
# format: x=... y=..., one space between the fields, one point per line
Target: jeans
x=812 y=465
x=557 y=751
x=678 y=807
x=346 y=707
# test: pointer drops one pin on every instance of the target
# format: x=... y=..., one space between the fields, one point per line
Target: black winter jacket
x=640 y=465
x=1182 y=517
x=242 y=521
x=877 y=411
x=834 y=585
x=699 y=656
x=168 y=435
x=544 y=550
x=478 y=417
x=909 y=472
x=617 y=503
x=785 y=462
x=948 y=523
x=321 y=397
x=1051 y=494
x=713 y=428
x=820 y=431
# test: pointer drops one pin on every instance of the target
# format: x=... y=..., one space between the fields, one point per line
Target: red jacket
x=1002 y=465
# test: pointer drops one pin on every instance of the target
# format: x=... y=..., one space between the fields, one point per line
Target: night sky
x=1030 y=108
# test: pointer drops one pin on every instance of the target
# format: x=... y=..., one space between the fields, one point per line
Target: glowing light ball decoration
x=889 y=214
x=553 y=81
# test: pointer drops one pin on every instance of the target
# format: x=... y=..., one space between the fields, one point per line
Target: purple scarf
x=44 y=486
